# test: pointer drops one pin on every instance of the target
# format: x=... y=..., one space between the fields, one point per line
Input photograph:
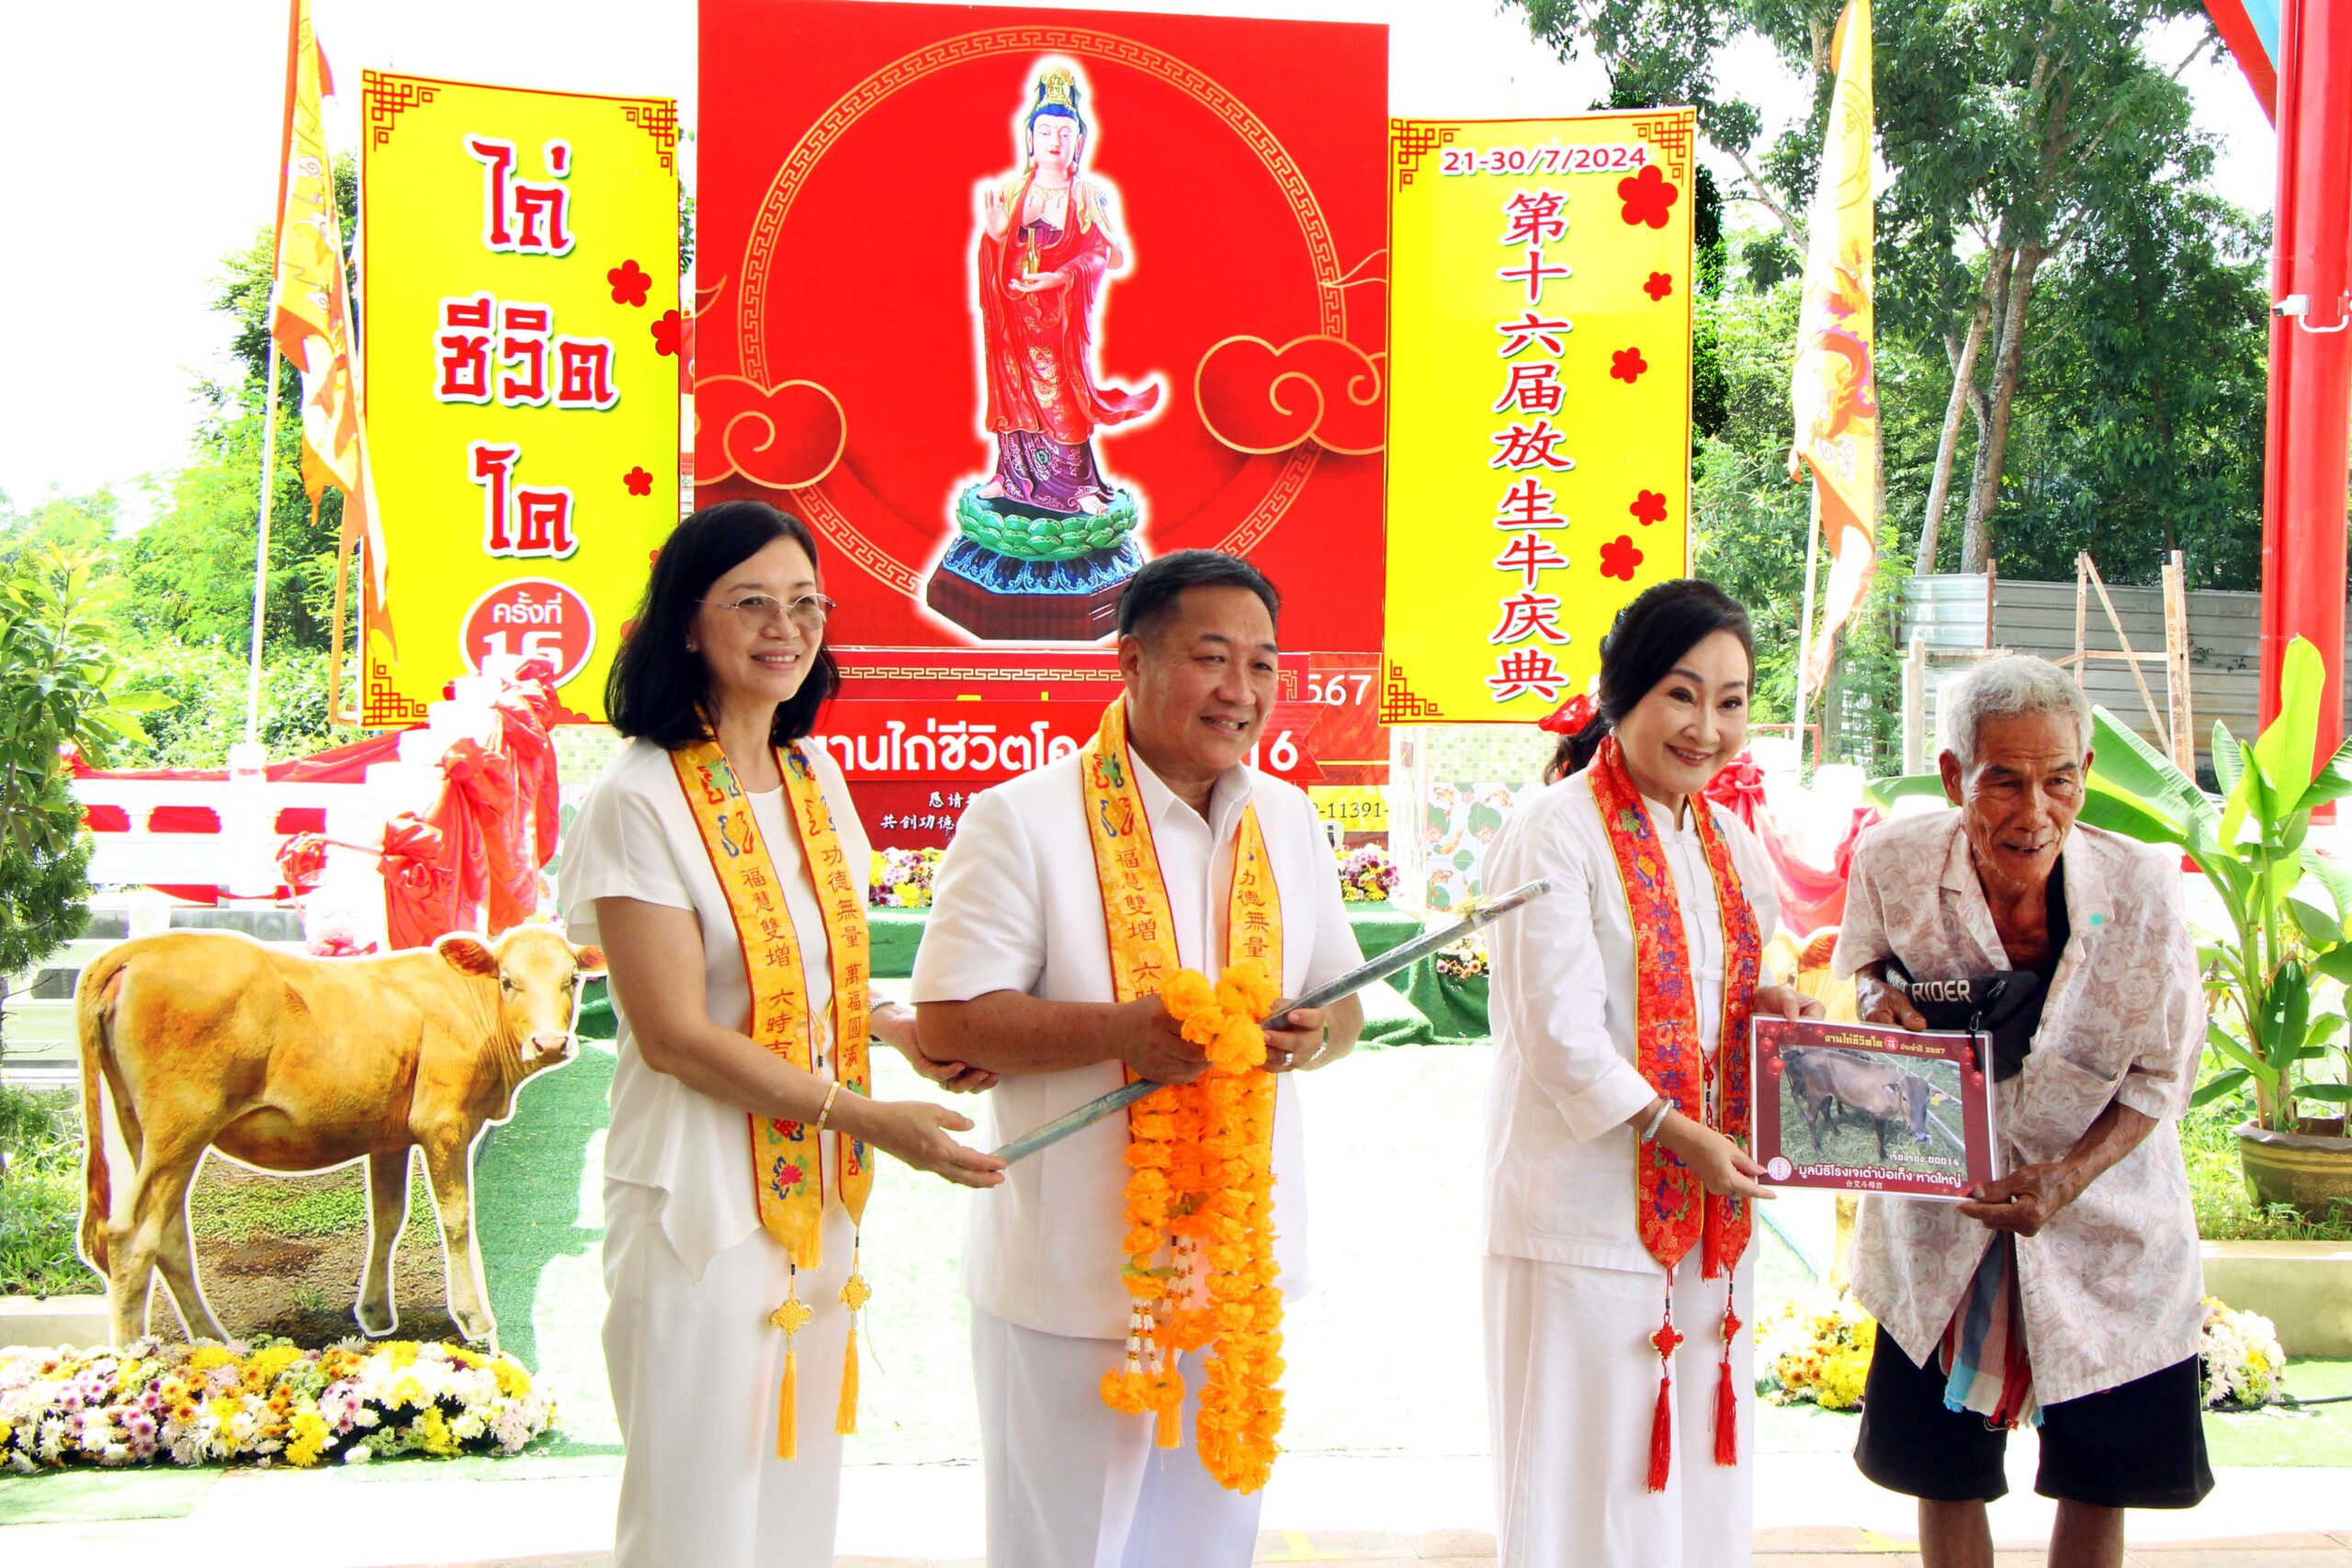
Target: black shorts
x=2138 y=1445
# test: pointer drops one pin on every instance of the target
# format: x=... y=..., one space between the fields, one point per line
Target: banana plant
x=2250 y=843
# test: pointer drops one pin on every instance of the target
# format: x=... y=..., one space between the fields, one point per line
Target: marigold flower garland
x=1200 y=1242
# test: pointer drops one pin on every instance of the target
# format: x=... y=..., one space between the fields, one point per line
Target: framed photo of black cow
x=1859 y=1108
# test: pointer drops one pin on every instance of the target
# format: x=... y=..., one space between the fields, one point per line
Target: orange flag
x=309 y=304
x=1834 y=388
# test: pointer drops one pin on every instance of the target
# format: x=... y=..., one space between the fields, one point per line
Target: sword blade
x=1404 y=956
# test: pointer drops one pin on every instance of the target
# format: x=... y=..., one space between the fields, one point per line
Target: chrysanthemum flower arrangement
x=1367 y=874
x=1200 y=1243
x=2243 y=1366
x=1817 y=1351
x=1465 y=958
x=902 y=879
x=262 y=1402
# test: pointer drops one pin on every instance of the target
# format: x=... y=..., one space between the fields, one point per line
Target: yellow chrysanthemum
x=513 y=1381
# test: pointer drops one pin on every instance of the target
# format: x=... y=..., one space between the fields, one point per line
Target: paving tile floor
x=1402 y=1512
x=1808 y=1547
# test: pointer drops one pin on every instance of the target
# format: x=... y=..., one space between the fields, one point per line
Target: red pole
x=2310 y=364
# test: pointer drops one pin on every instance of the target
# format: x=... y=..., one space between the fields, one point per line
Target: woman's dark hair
x=1152 y=591
x=1665 y=621
x=1564 y=758
x=660 y=689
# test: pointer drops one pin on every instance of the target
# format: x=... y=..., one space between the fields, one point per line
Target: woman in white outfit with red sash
x=719 y=864
x=1618 y=1264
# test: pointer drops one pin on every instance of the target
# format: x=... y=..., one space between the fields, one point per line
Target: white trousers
x=1073 y=1484
x=695 y=1370
x=1571 y=1386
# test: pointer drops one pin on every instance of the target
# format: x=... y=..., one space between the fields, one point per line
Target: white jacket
x=1559 y=1181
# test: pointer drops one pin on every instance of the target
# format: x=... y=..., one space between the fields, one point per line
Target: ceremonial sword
x=1484 y=913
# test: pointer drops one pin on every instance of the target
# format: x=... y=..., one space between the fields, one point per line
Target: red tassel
x=1726 y=1416
x=1662 y=1434
x=1662 y=1419
x=1726 y=1398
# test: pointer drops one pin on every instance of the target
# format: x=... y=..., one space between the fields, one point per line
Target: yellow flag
x=310 y=305
x=1834 y=388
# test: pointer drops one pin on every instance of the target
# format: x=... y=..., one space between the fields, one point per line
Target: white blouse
x=636 y=838
x=1559 y=1185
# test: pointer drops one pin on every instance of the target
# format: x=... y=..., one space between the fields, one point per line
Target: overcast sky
x=142 y=146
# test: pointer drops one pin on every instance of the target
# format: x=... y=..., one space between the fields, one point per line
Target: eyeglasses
x=809 y=612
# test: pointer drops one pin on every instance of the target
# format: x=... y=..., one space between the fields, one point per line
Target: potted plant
x=2291 y=916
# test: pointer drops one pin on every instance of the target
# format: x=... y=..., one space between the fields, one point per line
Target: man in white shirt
x=1014 y=975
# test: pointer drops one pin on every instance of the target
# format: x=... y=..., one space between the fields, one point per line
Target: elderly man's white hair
x=2015 y=686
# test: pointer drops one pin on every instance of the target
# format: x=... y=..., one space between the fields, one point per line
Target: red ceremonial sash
x=1675 y=1212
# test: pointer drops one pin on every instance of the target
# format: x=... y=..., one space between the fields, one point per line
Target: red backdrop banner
x=1221 y=342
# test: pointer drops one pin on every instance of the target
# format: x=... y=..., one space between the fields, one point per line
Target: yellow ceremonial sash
x=1135 y=914
x=787 y=1167
x=1199 y=1198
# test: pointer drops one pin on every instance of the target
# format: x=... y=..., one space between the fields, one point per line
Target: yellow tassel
x=845 y=1418
x=787 y=1429
x=1171 y=1429
x=854 y=1295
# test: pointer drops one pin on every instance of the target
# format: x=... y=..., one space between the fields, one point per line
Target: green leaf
x=2128 y=766
x=2117 y=813
x=140 y=702
x=2219 y=1085
x=2286 y=1012
x=2334 y=780
x=1884 y=793
x=2221 y=1040
x=2322 y=930
x=2241 y=798
x=2229 y=762
x=2335 y=1093
x=2331 y=875
x=2284 y=753
x=2336 y=963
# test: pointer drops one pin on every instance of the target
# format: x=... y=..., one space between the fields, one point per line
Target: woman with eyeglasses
x=721 y=865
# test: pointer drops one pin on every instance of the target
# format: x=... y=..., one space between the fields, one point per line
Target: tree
x=2012 y=126
x=78 y=524
x=192 y=571
x=2139 y=426
x=59 y=689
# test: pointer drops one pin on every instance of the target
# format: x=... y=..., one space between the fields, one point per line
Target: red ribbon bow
x=1570 y=717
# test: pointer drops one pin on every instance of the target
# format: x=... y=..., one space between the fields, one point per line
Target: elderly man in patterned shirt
x=2065 y=1294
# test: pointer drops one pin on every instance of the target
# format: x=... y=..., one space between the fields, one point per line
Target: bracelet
x=1658 y=1120
x=826 y=1110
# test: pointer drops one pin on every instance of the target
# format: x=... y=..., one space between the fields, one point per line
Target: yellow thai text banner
x=1539 y=414
x=520 y=334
